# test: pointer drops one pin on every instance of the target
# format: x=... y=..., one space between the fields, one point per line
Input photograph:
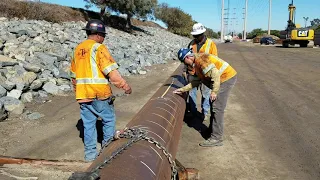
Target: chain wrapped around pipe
x=134 y=135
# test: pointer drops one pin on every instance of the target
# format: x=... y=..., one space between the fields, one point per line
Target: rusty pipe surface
x=162 y=118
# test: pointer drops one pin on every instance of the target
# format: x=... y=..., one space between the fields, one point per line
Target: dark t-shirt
x=199 y=45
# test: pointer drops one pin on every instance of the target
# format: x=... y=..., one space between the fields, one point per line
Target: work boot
x=211 y=142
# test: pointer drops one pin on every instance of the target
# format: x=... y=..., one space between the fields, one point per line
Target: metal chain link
x=135 y=135
x=174 y=171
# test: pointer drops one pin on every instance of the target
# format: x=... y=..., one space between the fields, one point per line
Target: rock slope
x=35 y=57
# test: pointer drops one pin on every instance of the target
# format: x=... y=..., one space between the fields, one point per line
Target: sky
x=208 y=12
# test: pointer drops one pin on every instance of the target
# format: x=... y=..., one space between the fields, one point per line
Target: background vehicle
x=267 y=40
x=228 y=38
x=294 y=34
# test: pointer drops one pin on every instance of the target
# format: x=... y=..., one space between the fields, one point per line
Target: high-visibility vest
x=205 y=62
x=90 y=65
x=208 y=47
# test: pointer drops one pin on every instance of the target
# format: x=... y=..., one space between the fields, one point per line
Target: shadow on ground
x=196 y=122
x=98 y=126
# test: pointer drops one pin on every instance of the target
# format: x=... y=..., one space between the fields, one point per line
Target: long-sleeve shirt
x=214 y=83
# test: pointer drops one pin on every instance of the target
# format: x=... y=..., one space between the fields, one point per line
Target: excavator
x=294 y=34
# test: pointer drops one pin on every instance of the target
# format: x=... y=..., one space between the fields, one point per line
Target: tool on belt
x=112 y=99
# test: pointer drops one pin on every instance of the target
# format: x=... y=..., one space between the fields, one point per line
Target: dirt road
x=57 y=136
x=271 y=123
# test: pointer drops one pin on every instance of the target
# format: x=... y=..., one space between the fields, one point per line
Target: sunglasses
x=196 y=36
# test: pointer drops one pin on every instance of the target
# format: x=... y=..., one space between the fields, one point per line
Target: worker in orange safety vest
x=220 y=77
x=92 y=70
x=200 y=44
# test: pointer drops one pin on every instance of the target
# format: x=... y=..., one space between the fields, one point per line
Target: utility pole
x=222 y=21
x=269 y=23
x=244 y=14
x=245 y=21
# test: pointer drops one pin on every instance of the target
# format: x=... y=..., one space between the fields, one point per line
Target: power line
x=218 y=8
x=226 y=18
x=254 y=6
x=262 y=6
x=229 y=22
x=239 y=12
x=233 y=21
x=230 y=14
x=260 y=10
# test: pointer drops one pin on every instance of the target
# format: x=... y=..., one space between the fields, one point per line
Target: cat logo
x=303 y=33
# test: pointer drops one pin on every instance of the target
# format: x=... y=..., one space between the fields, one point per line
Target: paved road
x=272 y=120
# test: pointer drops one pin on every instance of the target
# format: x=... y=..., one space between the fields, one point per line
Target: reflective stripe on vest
x=207 y=43
x=72 y=74
x=208 y=46
x=94 y=67
x=92 y=81
x=224 y=64
x=109 y=68
x=222 y=68
x=207 y=69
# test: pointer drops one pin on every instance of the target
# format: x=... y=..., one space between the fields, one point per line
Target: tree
x=176 y=20
x=139 y=8
x=255 y=32
x=99 y=3
x=275 y=33
x=240 y=35
x=211 y=34
x=315 y=22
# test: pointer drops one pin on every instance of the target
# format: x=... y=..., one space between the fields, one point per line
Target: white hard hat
x=197 y=29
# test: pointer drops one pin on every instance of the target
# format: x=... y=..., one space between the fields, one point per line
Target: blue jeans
x=205 y=100
x=205 y=105
x=89 y=112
